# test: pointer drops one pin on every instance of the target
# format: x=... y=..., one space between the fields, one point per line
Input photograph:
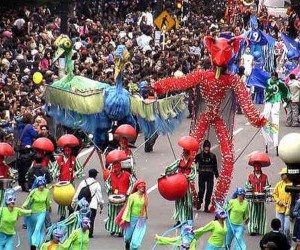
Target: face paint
x=58 y=235
x=10 y=199
x=116 y=167
x=67 y=150
x=85 y=223
x=257 y=166
x=123 y=142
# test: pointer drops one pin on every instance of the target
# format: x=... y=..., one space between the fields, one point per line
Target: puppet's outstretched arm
x=178 y=83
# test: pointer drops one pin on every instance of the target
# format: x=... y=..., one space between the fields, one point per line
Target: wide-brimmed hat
x=283 y=171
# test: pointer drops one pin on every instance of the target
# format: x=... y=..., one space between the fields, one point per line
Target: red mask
x=67 y=150
x=222 y=49
x=116 y=167
x=257 y=166
x=123 y=142
x=40 y=151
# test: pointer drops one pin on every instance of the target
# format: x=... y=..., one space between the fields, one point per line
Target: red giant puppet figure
x=214 y=85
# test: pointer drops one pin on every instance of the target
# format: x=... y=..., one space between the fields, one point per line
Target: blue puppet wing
x=291 y=45
x=258 y=78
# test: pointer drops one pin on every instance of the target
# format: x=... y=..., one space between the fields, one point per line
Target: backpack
x=85 y=192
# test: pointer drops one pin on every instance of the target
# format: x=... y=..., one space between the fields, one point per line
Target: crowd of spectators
x=27 y=34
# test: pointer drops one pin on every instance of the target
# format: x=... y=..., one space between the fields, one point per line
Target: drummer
x=6 y=172
x=125 y=134
x=118 y=186
x=259 y=185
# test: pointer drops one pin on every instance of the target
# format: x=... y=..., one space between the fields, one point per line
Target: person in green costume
x=276 y=91
x=189 y=237
x=238 y=210
x=133 y=216
x=54 y=243
x=9 y=215
x=39 y=201
x=79 y=238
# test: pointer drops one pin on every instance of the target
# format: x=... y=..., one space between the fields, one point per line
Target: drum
x=63 y=193
x=126 y=164
x=249 y=195
x=117 y=199
x=259 y=197
x=5 y=183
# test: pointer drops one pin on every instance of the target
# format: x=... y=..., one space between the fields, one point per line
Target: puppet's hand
x=263 y=121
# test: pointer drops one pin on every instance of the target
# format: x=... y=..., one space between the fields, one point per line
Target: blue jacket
x=29 y=134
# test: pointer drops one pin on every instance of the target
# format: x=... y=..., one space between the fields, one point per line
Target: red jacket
x=4 y=171
x=44 y=162
x=258 y=184
x=120 y=183
x=66 y=169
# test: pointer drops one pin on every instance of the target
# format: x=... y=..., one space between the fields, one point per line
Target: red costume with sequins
x=214 y=85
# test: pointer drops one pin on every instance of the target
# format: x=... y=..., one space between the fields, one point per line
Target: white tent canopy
x=275 y=3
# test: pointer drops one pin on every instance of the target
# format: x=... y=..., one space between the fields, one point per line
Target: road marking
x=151 y=189
x=212 y=148
x=237 y=131
x=85 y=152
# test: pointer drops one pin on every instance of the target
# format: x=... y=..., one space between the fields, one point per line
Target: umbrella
x=260 y=157
x=115 y=156
x=189 y=143
x=6 y=149
x=68 y=140
x=126 y=131
x=44 y=144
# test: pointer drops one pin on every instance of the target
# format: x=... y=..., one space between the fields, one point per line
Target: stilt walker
x=258 y=185
x=118 y=187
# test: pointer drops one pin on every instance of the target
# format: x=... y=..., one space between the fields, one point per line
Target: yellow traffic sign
x=164 y=21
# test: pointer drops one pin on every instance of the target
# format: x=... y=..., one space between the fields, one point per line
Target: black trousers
x=23 y=163
x=205 y=183
x=93 y=216
x=150 y=142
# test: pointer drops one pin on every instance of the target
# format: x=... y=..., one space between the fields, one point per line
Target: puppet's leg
x=201 y=127
x=225 y=176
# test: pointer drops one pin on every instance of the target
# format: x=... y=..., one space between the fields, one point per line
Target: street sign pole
x=164 y=39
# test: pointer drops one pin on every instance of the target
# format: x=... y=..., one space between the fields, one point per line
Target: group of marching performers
x=127 y=206
x=128 y=202
x=245 y=208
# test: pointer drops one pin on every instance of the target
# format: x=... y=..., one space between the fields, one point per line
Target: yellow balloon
x=37 y=77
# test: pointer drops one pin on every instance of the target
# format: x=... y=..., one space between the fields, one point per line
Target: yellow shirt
x=279 y=194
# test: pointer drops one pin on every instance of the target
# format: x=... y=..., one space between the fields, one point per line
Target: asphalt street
x=151 y=165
